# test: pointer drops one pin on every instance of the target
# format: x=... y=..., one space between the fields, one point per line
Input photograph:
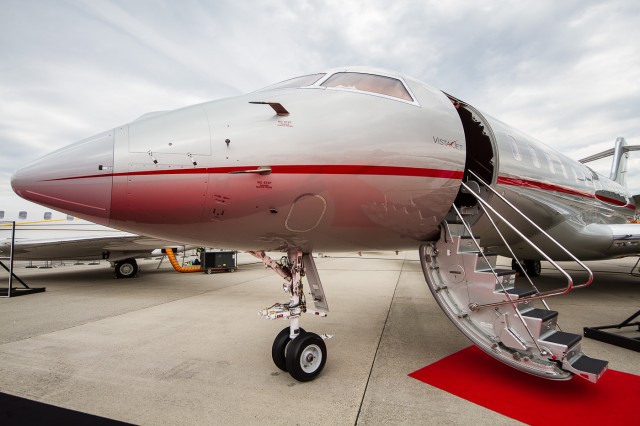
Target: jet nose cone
x=76 y=179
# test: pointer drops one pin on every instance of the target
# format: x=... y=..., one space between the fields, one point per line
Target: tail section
x=620 y=155
x=619 y=163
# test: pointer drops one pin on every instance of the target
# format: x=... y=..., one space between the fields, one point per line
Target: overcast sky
x=566 y=72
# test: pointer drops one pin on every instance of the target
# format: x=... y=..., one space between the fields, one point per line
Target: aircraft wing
x=112 y=247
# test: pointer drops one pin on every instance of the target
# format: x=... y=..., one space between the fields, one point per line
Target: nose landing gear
x=302 y=354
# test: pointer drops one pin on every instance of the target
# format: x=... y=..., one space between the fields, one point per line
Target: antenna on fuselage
x=620 y=155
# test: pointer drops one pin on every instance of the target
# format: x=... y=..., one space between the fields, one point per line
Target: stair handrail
x=523 y=270
x=535 y=225
x=550 y=293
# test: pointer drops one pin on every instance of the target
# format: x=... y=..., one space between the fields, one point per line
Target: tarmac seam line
x=375 y=355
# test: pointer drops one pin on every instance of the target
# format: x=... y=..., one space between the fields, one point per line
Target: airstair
x=502 y=319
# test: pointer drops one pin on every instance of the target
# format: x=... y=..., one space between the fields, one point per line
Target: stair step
x=541 y=314
x=590 y=365
x=467 y=245
x=499 y=272
x=521 y=292
x=561 y=338
x=516 y=333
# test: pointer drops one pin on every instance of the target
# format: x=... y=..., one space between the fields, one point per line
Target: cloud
x=567 y=73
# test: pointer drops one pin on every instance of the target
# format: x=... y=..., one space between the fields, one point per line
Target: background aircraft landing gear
x=127 y=268
x=532 y=267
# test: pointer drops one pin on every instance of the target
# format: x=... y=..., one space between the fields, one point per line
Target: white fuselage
x=342 y=168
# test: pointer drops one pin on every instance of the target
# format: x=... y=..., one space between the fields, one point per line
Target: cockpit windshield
x=372 y=83
x=293 y=83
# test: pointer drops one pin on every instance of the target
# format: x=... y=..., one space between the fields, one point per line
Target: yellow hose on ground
x=177 y=267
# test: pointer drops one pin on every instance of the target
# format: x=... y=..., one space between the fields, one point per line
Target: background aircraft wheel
x=279 y=348
x=533 y=267
x=306 y=356
x=516 y=266
x=127 y=268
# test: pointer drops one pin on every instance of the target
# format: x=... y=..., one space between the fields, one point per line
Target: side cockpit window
x=296 y=82
x=372 y=83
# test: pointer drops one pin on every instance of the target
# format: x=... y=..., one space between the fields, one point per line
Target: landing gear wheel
x=516 y=266
x=533 y=267
x=306 y=356
x=127 y=268
x=279 y=348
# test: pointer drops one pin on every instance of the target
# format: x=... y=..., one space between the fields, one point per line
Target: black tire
x=127 y=268
x=533 y=267
x=516 y=266
x=279 y=348
x=306 y=357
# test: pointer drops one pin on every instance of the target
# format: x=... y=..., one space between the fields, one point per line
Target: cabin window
x=47 y=215
x=596 y=180
x=22 y=215
x=69 y=217
x=575 y=175
x=296 y=82
x=371 y=83
x=1 y=214
x=550 y=163
x=562 y=168
x=514 y=148
x=534 y=157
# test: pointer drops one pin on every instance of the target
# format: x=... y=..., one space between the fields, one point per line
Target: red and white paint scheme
x=352 y=159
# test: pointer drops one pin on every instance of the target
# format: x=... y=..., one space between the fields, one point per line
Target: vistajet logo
x=447 y=143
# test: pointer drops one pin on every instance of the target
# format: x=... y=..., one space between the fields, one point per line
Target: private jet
x=42 y=234
x=359 y=159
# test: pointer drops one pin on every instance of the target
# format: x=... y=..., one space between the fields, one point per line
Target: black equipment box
x=218 y=260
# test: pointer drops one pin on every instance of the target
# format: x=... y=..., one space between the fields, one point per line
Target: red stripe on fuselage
x=525 y=183
x=296 y=169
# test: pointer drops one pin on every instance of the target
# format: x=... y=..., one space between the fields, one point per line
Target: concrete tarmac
x=170 y=348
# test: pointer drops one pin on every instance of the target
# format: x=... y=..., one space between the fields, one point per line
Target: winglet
x=277 y=107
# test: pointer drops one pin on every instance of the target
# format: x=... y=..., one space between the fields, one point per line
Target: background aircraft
x=358 y=159
x=45 y=234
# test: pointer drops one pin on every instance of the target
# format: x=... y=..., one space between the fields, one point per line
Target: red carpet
x=475 y=376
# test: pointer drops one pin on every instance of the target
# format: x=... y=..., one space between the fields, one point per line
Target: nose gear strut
x=294 y=350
